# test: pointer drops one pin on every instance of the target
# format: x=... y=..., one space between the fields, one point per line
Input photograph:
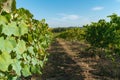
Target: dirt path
x=60 y=65
x=69 y=61
x=79 y=61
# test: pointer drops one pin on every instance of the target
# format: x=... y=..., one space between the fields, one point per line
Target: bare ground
x=70 y=61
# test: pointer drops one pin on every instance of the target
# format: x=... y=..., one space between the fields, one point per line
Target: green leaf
x=2 y=75
x=10 y=29
x=24 y=56
x=28 y=58
x=21 y=47
x=34 y=61
x=36 y=69
x=14 y=78
x=7 y=44
x=30 y=49
x=1 y=42
x=5 y=61
x=41 y=63
x=12 y=41
x=0 y=29
x=23 y=28
x=17 y=67
x=3 y=20
x=30 y=38
x=26 y=70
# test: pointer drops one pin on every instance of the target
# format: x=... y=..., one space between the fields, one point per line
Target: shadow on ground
x=92 y=67
x=60 y=66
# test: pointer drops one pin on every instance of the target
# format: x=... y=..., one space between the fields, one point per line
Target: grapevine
x=24 y=41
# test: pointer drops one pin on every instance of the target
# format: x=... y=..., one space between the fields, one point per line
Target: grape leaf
x=30 y=38
x=10 y=29
x=41 y=63
x=5 y=61
x=36 y=69
x=26 y=70
x=14 y=78
x=2 y=43
x=34 y=61
x=21 y=47
x=17 y=67
x=7 y=45
x=30 y=49
x=12 y=41
x=3 y=20
x=23 y=28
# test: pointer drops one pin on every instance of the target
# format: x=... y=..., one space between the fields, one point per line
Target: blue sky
x=64 y=13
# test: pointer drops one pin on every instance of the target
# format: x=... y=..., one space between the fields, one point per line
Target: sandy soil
x=70 y=61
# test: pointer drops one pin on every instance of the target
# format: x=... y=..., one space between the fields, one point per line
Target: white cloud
x=70 y=17
x=65 y=20
x=98 y=8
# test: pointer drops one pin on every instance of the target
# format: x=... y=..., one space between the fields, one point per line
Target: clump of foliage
x=73 y=34
x=23 y=44
x=105 y=35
